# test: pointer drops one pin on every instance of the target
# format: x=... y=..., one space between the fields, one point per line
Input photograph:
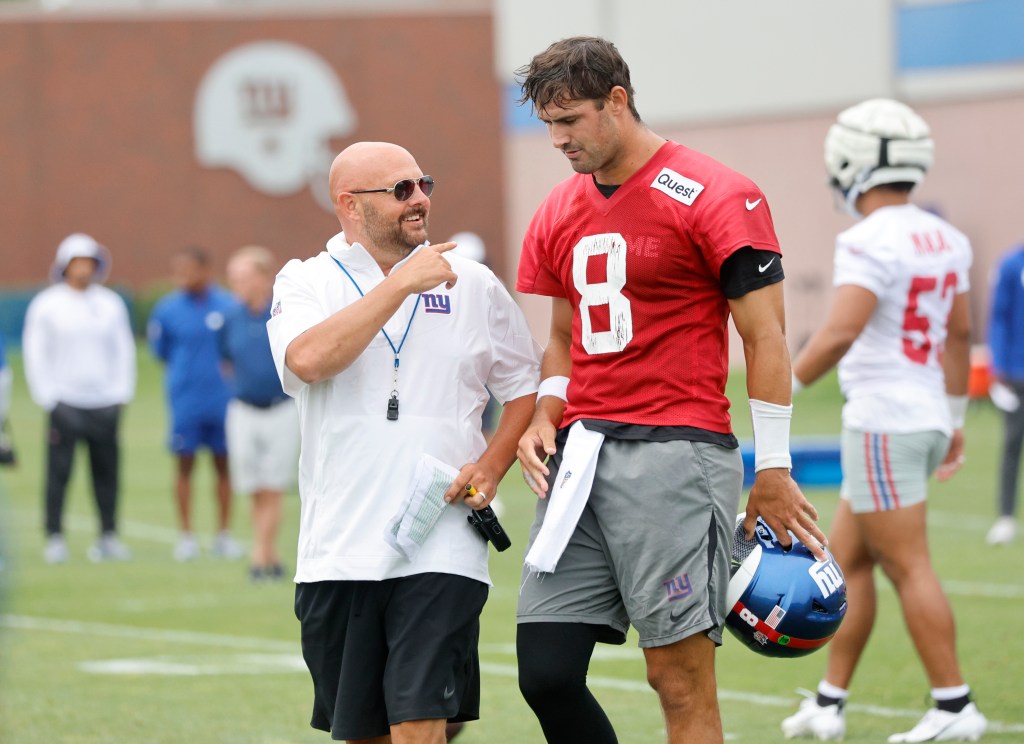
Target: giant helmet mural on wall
x=268 y=111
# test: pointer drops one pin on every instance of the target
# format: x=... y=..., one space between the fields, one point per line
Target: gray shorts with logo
x=888 y=471
x=652 y=546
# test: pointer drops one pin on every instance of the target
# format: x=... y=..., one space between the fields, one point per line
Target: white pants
x=263 y=446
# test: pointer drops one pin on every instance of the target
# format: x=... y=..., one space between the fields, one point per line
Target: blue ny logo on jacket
x=437 y=303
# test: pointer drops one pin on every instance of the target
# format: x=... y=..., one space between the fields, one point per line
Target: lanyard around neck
x=359 y=289
x=392 y=409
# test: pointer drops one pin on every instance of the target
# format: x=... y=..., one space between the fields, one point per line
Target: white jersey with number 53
x=914 y=263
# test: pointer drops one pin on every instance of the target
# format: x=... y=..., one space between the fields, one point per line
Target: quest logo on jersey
x=684 y=190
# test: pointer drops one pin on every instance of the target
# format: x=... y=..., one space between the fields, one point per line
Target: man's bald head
x=387 y=228
x=367 y=165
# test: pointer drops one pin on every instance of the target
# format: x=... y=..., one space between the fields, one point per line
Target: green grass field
x=155 y=651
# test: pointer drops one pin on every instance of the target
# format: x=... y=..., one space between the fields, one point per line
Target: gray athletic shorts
x=888 y=471
x=652 y=546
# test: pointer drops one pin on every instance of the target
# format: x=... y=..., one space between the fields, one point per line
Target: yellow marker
x=471 y=490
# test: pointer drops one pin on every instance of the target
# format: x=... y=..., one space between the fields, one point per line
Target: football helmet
x=782 y=602
x=268 y=110
x=876 y=142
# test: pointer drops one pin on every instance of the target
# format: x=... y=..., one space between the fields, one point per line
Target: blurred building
x=155 y=123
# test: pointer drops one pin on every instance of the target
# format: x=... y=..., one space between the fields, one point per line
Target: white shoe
x=56 y=550
x=225 y=546
x=109 y=548
x=824 y=723
x=1002 y=532
x=187 y=548
x=941 y=725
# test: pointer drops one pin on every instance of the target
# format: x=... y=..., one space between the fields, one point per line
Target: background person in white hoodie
x=79 y=357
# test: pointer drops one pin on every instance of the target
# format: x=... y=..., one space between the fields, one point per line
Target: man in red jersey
x=645 y=252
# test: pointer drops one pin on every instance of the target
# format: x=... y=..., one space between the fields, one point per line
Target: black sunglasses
x=404 y=188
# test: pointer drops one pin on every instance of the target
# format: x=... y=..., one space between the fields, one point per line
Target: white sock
x=831 y=691
x=950 y=693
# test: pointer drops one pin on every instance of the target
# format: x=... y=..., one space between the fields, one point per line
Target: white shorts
x=263 y=446
x=888 y=471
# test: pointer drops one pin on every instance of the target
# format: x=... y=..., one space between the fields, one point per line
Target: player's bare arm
x=956 y=367
x=538 y=442
x=775 y=496
x=333 y=344
x=486 y=473
x=851 y=310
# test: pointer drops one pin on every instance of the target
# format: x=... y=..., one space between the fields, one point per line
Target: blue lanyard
x=386 y=336
x=392 y=411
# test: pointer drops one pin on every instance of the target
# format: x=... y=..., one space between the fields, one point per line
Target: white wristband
x=555 y=386
x=797 y=385
x=771 y=435
x=957 y=409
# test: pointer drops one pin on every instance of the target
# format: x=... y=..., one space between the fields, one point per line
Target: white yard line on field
x=128 y=529
x=154 y=533
x=57 y=625
x=285 y=659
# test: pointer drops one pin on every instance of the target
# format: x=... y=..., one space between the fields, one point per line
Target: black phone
x=485 y=521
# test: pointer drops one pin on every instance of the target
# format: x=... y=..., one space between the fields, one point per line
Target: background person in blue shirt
x=1006 y=340
x=183 y=334
x=262 y=421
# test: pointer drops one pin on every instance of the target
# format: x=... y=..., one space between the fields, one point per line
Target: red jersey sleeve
x=536 y=274
x=738 y=217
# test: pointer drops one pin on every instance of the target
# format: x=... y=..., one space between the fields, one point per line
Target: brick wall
x=96 y=133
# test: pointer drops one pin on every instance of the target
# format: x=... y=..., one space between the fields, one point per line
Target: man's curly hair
x=574 y=69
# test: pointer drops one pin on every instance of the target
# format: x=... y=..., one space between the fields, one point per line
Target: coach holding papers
x=390 y=346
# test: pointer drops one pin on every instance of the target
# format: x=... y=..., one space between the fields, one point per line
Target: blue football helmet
x=782 y=602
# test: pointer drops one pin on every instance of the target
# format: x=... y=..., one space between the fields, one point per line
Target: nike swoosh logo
x=676 y=616
x=761 y=268
x=448 y=693
x=751 y=205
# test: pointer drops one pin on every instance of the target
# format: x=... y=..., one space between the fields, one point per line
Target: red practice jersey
x=641 y=270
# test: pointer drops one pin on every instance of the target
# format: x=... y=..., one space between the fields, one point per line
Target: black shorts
x=385 y=652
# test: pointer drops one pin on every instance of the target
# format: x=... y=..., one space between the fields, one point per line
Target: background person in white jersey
x=389 y=346
x=899 y=331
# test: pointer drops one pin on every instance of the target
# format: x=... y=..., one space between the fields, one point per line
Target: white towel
x=567 y=498
x=421 y=508
x=1003 y=397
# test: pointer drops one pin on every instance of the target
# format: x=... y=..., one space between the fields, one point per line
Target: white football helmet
x=268 y=110
x=876 y=142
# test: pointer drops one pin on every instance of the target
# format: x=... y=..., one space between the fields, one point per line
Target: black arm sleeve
x=748 y=269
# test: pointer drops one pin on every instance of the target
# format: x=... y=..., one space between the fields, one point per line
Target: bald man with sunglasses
x=389 y=346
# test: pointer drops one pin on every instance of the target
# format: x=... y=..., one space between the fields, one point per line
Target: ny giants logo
x=679 y=587
x=437 y=303
x=827 y=577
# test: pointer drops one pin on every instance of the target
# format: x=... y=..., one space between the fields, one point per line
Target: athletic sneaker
x=941 y=725
x=56 y=550
x=1002 y=532
x=824 y=723
x=225 y=546
x=187 y=548
x=109 y=548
